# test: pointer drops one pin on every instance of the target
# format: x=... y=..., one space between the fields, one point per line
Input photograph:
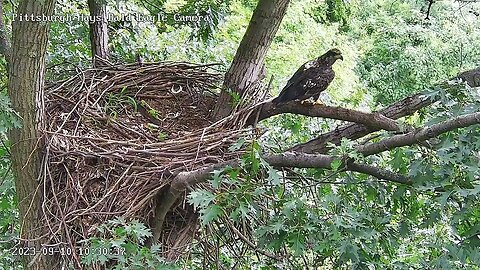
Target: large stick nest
x=116 y=136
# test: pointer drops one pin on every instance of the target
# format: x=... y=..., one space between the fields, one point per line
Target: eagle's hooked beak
x=339 y=56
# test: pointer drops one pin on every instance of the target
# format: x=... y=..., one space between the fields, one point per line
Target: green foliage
x=336 y=10
x=239 y=200
x=8 y=117
x=404 y=53
x=69 y=44
x=331 y=11
x=122 y=247
x=119 y=102
x=8 y=201
x=214 y=10
x=8 y=209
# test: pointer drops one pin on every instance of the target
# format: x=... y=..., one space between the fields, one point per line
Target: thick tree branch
x=5 y=47
x=179 y=184
x=471 y=77
x=99 y=32
x=248 y=64
x=185 y=180
x=302 y=160
x=372 y=120
x=420 y=135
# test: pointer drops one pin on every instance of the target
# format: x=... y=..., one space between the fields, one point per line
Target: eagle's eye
x=335 y=51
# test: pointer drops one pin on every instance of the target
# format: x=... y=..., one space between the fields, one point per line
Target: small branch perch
x=371 y=120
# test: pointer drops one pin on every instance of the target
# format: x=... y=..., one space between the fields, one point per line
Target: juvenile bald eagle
x=310 y=79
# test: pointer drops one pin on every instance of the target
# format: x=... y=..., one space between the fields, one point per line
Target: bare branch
x=5 y=46
x=430 y=3
x=372 y=120
x=379 y=173
x=301 y=160
x=420 y=135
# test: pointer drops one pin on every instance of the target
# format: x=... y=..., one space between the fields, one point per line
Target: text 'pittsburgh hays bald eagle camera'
x=310 y=79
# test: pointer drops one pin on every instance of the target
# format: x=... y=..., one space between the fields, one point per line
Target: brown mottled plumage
x=310 y=79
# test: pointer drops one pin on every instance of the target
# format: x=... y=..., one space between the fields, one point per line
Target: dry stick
x=250 y=243
x=64 y=223
x=83 y=211
x=45 y=172
x=134 y=205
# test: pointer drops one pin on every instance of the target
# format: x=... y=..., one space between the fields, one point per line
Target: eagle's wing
x=318 y=83
x=299 y=75
x=296 y=81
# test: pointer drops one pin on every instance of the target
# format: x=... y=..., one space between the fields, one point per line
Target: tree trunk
x=98 y=31
x=248 y=63
x=26 y=78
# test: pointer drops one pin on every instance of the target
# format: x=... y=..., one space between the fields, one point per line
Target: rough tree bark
x=26 y=78
x=248 y=63
x=98 y=31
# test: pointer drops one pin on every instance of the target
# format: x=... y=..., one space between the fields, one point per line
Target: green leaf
x=273 y=176
x=297 y=242
x=201 y=198
x=139 y=230
x=398 y=160
x=444 y=198
x=210 y=214
x=216 y=179
x=336 y=164
x=237 y=146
